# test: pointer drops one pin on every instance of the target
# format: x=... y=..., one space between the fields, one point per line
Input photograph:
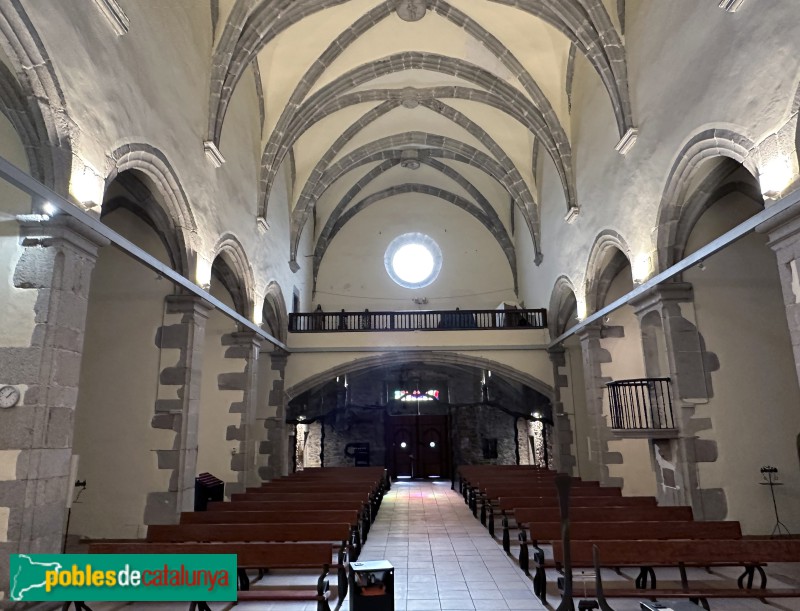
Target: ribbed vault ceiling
x=357 y=93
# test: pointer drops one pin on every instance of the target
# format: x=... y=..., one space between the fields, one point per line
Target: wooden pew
x=526 y=516
x=249 y=556
x=488 y=492
x=280 y=505
x=373 y=494
x=350 y=517
x=550 y=532
x=338 y=535
x=508 y=505
x=323 y=499
x=646 y=555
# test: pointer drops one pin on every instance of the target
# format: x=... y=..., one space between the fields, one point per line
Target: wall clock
x=9 y=396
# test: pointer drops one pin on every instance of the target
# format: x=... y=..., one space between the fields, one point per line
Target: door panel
x=403 y=444
x=418 y=446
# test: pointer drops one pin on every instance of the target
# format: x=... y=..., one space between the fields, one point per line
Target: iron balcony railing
x=641 y=404
x=417 y=320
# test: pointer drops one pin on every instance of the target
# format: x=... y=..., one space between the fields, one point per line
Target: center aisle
x=443 y=557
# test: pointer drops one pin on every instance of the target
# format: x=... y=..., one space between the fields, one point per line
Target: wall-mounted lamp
x=49 y=209
x=641 y=267
x=581 y=308
x=775 y=176
x=701 y=266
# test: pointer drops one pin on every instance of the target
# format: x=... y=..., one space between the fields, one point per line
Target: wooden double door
x=418 y=446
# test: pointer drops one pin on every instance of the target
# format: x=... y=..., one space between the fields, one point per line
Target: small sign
x=123 y=577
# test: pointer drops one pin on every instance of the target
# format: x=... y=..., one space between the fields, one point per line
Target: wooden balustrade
x=417 y=320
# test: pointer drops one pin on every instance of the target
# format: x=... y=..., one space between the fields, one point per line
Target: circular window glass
x=413 y=260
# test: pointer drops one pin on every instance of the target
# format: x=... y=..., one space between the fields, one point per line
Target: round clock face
x=9 y=396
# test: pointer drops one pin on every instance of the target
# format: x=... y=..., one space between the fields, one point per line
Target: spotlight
x=49 y=209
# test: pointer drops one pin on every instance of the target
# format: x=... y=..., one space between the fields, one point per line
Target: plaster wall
x=288 y=61
x=118 y=390
x=681 y=82
x=627 y=362
x=475 y=273
x=740 y=314
x=494 y=193
x=423 y=119
x=214 y=448
x=432 y=34
x=305 y=365
x=414 y=78
x=515 y=141
x=121 y=90
x=16 y=325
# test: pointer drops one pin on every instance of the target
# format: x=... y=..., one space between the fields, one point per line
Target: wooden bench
x=372 y=494
x=249 y=556
x=298 y=502
x=339 y=535
x=508 y=505
x=751 y=554
x=350 y=517
x=526 y=516
x=550 y=532
x=493 y=492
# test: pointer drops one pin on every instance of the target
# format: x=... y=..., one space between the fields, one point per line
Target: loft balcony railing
x=641 y=405
x=416 y=320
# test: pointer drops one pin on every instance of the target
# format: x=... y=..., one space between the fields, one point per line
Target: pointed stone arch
x=140 y=200
x=39 y=94
x=497 y=231
x=382 y=149
x=563 y=301
x=709 y=143
x=171 y=197
x=250 y=27
x=275 y=317
x=552 y=137
x=610 y=254
x=424 y=357
x=231 y=262
x=27 y=123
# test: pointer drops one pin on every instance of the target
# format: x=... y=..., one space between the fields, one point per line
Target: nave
x=445 y=559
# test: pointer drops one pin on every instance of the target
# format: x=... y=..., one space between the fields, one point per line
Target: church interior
x=441 y=250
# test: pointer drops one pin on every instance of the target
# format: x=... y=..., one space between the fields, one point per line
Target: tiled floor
x=445 y=559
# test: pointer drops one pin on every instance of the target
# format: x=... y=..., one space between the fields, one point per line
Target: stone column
x=594 y=355
x=564 y=451
x=668 y=309
x=36 y=435
x=182 y=413
x=273 y=450
x=784 y=239
x=243 y=345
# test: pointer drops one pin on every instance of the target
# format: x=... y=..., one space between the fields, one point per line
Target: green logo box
x=123 y=577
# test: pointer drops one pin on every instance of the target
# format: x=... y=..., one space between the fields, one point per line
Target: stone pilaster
x=273 y=461
x=181 y=411
x=784 y=239
x=667 y=311
x=564 y=449
x=36 y=435
x=244 y=345
x=594 y=355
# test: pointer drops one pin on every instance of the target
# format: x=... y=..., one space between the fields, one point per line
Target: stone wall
x=477 y=424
